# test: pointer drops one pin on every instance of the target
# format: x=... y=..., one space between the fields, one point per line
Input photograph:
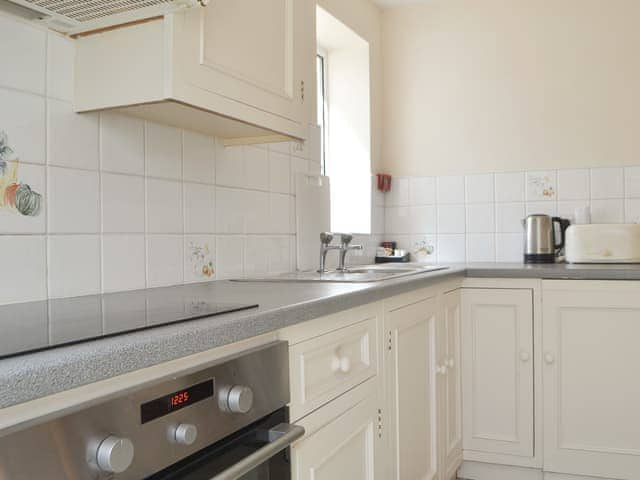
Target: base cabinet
x=479 y=374
x=591 y=378
x=410 y=383
x=347 y=447
x=401 y=422
x=585 y=343
x=497 y=371
x=449 y=385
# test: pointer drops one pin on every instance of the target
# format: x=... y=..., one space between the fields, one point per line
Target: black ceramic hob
x=33 y=326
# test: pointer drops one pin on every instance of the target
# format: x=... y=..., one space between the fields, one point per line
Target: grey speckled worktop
x=558 y=271
x=30 y=376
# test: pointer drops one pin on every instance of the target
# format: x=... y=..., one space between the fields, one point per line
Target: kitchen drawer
x=327 y=366
x=342 y=439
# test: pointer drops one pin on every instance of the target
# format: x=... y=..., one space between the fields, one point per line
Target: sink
x=387 y=271
x=359 y=274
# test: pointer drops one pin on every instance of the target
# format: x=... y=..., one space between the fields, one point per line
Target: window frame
x=324 y=92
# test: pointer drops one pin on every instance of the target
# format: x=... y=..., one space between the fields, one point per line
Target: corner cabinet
x=498 y=373
x=591 y=389
x=235 y=69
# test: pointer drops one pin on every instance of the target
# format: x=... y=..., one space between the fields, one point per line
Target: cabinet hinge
x=379 y=423
x=302 y=90
x=390 y=341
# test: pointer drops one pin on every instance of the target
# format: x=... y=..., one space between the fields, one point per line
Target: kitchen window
x=344 y=107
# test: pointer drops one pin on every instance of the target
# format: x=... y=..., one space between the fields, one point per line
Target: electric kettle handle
x=564 y=224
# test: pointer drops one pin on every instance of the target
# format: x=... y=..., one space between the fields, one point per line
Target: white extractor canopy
x=78 y=16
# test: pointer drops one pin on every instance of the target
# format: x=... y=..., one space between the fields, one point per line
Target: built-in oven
x=257 y=452
x=220 y=422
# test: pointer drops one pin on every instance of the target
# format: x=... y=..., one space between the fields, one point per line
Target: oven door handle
x=280 y=437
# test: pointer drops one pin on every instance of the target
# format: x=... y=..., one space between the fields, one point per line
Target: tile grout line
x=146 y=206
x=101 y=221
x=100 y=213
x=46 y=192
x=183 y=208
x=183 y=267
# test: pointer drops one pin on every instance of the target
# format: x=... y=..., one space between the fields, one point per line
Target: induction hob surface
x=34 y=326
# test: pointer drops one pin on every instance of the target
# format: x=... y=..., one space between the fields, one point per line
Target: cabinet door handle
x=335 y=363
x=524 y=356
x=345 y=364
x=549 y=359
x=341 y=364
x=441 y=369
x=451 y=363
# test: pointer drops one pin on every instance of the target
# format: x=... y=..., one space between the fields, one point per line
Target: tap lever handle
x=345 y=238
x=326 y=238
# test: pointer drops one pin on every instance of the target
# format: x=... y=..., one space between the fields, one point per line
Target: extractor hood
x=80 y=16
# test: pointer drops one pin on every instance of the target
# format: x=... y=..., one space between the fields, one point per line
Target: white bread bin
x=603 y=243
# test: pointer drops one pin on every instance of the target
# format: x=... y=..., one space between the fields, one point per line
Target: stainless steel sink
x=359 y=274
x=389 y=271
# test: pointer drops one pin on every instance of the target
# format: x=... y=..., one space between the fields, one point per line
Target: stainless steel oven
x=257 y=452
x=222 y=422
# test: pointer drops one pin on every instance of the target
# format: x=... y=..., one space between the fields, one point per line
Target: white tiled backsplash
x=128 y=204
x=476 y=218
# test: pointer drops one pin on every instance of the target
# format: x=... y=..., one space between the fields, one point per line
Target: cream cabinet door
x=347 y=447
x=256 y=52
x=497 y=371
x=449 y=385
x=591 y=376
x=410 y=360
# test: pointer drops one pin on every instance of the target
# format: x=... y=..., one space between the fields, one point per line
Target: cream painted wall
x=364 y=18
x=498 y=85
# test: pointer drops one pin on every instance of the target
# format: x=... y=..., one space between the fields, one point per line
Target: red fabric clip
x=384 y=182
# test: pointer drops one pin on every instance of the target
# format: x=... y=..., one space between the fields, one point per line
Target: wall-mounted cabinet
x=243 y=70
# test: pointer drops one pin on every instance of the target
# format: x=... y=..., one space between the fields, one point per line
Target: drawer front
x=347 y=447
x=327 y=366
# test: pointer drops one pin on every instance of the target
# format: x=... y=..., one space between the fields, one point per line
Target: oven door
x=257 y=452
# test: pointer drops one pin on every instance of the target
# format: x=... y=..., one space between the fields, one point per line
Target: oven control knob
x=186 y=434
x=115 y=454
x=239 y=399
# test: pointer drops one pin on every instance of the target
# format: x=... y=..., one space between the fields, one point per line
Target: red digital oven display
x=179 y=398
x=159 y=407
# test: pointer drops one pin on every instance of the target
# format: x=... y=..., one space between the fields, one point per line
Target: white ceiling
x=398 y=3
